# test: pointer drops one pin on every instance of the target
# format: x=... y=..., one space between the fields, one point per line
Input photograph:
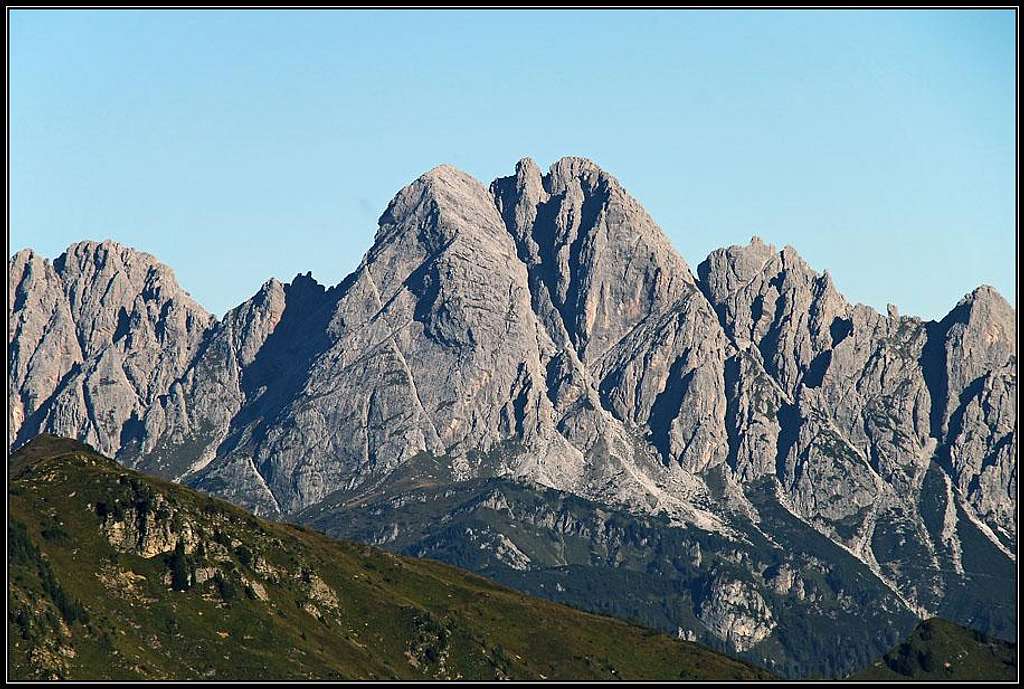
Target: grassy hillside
x=115 y=575
x=941 y=650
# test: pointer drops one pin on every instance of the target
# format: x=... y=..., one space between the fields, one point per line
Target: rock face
x=881 y=398
x=96 y=339
x=147 y=529
x=735 y=613
x=544 y=330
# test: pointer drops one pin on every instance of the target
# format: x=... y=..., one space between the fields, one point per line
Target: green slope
x=941 y=650
x=115 y=575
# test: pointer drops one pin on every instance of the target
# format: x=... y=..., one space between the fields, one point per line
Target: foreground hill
x=941 y=650
x=114 y=575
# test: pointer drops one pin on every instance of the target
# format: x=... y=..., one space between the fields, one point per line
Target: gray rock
x=105 y=331
x=977 y=406
x=593 y=254
x=875 y=395
x=775 y=302
x=736 y=613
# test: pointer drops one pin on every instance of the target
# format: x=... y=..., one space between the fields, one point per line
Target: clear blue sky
x=236 y=146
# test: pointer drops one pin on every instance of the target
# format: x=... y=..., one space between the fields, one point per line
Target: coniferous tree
x=180 y=579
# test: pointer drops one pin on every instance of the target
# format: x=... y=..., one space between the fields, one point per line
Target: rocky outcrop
x=320 y=597
x=775 y=302
x=147 y=527
x=736 y=614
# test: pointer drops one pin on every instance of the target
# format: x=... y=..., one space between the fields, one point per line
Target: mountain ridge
x=543 y=329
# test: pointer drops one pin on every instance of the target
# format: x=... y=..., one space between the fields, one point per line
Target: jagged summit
x=432 y=209
x=527 y=166
x=305 y=281
x=108 y=246
x=758 y=256
x=561 y=175
x=566 y=166
x=989 y=298
x=87 y=247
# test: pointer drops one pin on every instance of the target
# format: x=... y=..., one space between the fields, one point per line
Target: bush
x=225 y=587
x=23 y=622
x=55 y=533
x=244 y=555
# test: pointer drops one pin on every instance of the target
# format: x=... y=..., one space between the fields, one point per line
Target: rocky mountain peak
x=304 y=284
x=24 y=257
x=527 y=168
x=269 y=287
x=96 y=260
x=542 y=328
x=597 y=261
x=773 y=300
x=564 y=170
x=96 y=336
x=727 y=270
x=986 y=293
x=986 y=307
x=982 y=325
x=427 y=215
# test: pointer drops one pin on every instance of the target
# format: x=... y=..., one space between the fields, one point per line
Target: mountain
x=777 y=594
x=940 y=650
x=115 y=575
x=541 y=335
